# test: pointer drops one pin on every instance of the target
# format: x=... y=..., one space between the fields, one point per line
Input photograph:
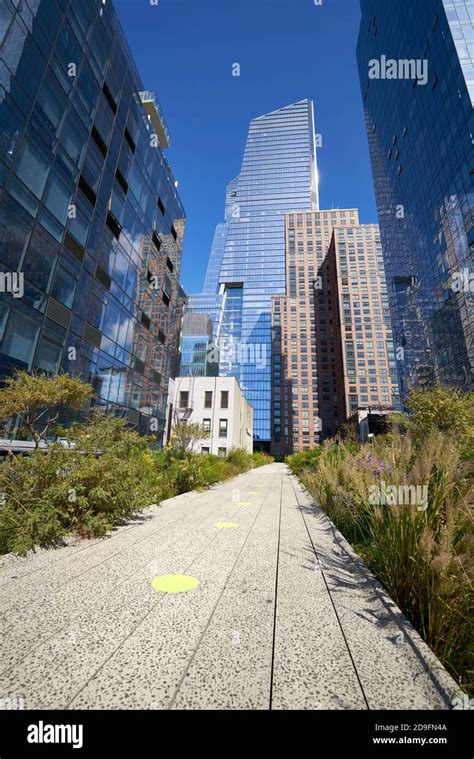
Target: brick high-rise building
x=303 y=351
x=357 y=276
x=328 y=329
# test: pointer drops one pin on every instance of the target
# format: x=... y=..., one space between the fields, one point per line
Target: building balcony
x=156 y=117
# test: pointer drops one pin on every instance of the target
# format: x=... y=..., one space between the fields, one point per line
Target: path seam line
x=329 y=594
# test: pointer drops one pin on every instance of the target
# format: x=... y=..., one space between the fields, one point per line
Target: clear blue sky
x=287 y=50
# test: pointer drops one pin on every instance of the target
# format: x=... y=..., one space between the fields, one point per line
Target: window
x=224 y=399
x=48 y=357
x=167 y=286
x=222 y=452
x=51 y=104
x=79 y=226
x=222 y=427
x=64 y=287
x=58 y=195
x=208 y=399
x=157 y=240
x=20 y=337
x=5 y=19
x=39 y=263
x=184 y=399
x=74 y=138
x=32 y=167
x=206 y=423
x=205 y=449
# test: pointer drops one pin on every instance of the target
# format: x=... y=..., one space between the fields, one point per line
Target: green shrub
x=239 y=458
x=37 y=400
x=187 y=474
x=107 y=474
x=442 y=409
x=48 y=495
x=302 y=460
x=216 y=469
x=260 y=458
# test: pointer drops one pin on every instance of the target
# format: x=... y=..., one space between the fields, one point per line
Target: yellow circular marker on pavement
x=225 y=525
x=174 y=583
x=245 y=503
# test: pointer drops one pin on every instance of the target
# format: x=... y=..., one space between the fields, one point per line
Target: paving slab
x=395 y=667
x=283 y=615
x=313 y=668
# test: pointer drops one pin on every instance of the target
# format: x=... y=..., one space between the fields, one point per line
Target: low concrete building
x=219 y=405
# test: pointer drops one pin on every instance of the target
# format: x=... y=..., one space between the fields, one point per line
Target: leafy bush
x=37 y=400
x=181 y=474
x=447 y=410
x=240 y=459
x=186 y=474
x=300 y=461
x=47 y=495
x=261 y=459
x=216 y=469
x=185 y=435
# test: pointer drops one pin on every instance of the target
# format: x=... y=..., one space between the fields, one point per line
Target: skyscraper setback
x=421 y=139
x=247 y=263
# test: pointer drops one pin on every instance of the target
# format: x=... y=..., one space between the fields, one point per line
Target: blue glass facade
x=247 y=262
x=198 y=357
x=211 y=282
x=89 y=211
x=421 y=137
x=460 y=15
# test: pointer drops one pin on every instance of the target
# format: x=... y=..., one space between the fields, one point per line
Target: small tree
x=186 y=434
x=440 y=408
x=39 y=400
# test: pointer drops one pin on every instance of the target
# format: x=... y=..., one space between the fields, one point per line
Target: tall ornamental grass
x=420 y=547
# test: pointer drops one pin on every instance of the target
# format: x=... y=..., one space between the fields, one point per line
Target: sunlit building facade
x=362 y=321
x=332 y=342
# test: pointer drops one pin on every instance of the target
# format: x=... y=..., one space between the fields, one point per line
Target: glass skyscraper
x=90 y=218
x=247 y=262
x=416 y=65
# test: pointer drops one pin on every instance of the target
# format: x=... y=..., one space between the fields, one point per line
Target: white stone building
x=219 y=405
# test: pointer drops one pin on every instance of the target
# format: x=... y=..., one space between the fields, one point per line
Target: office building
x=90 y=216
x=416 y=66
x=305 y=362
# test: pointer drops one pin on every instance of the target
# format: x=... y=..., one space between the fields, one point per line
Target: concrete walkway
x=284 y=617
